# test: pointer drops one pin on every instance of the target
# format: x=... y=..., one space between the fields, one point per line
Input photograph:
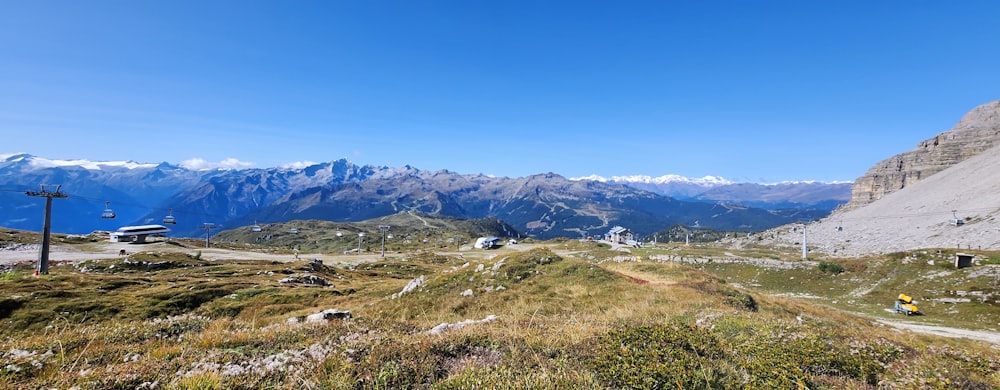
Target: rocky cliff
x=976 y=132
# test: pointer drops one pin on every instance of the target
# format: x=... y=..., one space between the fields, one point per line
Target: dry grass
x=572 y=321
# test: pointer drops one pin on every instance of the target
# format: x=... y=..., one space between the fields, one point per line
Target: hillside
x=919 y=216
x=406 y=231
x=977 y=132
x=558 y=314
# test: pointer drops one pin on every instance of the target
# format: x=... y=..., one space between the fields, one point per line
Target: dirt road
x=23 y=254
x=989 y=337
x=105 y=250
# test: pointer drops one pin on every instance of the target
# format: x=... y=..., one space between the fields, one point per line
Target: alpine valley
x=543 y=206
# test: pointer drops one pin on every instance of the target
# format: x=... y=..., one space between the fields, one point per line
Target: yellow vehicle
x=906 y=305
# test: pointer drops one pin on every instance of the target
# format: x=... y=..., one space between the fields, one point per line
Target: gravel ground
x=914 y=217
x=102 y=250
x=989 y=337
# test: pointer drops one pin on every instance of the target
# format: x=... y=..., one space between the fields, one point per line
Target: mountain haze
x=712 y=189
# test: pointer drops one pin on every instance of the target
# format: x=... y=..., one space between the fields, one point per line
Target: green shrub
x=740 y=299
x=523 y=265
x=657 y=356
x=8 y=305
x=174 y=303
x=828 y=267
x=796 y=361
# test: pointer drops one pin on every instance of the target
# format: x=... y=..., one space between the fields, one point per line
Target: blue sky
x=750 y=91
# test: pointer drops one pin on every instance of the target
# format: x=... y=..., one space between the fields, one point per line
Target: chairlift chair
x=169 y=219
x=955 y=220
x=108 y=212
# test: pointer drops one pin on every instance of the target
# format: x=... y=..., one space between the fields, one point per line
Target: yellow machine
x=906 y=305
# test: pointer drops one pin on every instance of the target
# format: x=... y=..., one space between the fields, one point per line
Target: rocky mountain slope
x=976 y=132
x=922 y=213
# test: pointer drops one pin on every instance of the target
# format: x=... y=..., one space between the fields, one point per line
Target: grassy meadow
x=564 y=314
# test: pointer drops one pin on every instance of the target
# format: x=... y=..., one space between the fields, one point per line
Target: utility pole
x=803 y=241
x=208 y=231
x=43 y=254
x=383 y=229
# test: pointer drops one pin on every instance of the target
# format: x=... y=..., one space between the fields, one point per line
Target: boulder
x=328 y=315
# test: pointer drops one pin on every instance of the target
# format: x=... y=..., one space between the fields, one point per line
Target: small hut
x=963 y=260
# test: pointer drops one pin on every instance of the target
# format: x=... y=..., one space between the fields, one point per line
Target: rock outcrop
x=977 y=131
x=919 y=214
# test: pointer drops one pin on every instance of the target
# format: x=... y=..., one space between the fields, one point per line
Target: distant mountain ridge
x=789 y=194
x=544 y=205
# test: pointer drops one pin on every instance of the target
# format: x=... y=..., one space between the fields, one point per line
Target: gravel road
x=989 y=337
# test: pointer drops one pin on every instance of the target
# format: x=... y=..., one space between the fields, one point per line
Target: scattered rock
x=446 y=327
x=306 y=279
x=327 y=315
x=496 y=267
x=412 y=285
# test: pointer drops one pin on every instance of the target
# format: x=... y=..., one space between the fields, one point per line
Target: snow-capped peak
x=707 y=181
x=39 y=162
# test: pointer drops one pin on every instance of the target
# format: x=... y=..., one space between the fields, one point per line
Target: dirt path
x=105 y=250
x=989 y=337
x=944 y=331
x=26 y=254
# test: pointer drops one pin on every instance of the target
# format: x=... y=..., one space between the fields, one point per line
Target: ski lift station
x=486 y=242
x=138 y=234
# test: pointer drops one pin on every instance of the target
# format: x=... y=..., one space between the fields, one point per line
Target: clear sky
x=759 y=91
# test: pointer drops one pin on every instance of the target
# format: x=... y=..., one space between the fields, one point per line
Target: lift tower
x=43 y=254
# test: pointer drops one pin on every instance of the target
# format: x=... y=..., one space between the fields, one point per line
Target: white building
x=138 y=233
x=486 y=242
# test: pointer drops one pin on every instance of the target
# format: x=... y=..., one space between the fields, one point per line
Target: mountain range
x=543 y=205
x=783 y=195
